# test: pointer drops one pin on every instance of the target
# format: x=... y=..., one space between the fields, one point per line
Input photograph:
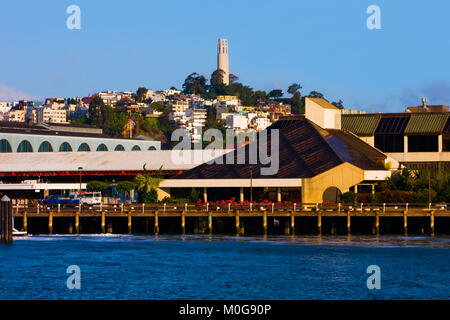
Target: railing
x=231 y=207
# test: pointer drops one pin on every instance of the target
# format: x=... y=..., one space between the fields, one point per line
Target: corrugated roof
x=392 y=125
x=361 y=125
x=426 y=123
x=105 y=161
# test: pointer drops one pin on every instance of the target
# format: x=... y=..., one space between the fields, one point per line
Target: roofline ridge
x=312 y=124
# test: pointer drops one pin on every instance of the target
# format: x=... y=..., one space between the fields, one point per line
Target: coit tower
x=223 y=60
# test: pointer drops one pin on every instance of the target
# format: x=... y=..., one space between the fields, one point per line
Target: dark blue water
x=203 y=267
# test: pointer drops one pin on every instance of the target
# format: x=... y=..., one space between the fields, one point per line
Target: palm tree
x=147 y=185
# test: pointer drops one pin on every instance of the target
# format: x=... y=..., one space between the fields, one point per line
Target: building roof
x=423 y=123
x=305 y=150
x=361 y=125
x=323 y=103
x=102 y=161
x=394 y=124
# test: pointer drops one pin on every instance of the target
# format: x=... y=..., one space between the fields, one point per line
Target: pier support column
x=50 y=223
x=103 y=223
x=377 y=224
x=205 y=194
x=319 y=223
x=405 y=223
x=348 y=222
x=210 y=223
x=77 y=222
x=25 y=222
x=129 y=224
x=156 y=228
x=292 y=223
x=265 y=222
x=432 y=223
x=183 y=222
x=238 y=225
x=241 y=194
x=6 y=220
x=278 y=194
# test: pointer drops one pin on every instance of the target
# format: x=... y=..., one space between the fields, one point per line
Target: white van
x=89 y=197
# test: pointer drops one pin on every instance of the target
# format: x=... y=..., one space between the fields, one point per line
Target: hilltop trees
x=293 y=88
x=195 y=84
x=141 y=94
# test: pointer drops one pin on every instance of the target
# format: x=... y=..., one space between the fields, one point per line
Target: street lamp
x=79 y=170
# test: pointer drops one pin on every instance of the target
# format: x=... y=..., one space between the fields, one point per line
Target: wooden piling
x=319 y=223
x=183 y=222
x=210 y=223
x=6 y=220
x=237 y=222
x=129 y=223
x=292 y=223
x=156 y=228
x=348 y=223
x=432 y=223
x=103 y=222
x=265 y=222
x=377 y=223
x=50 y=223
x=25 y=222
x=405 y=222
x=77 y=222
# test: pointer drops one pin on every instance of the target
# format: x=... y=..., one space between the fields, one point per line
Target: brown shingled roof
x=305 y=150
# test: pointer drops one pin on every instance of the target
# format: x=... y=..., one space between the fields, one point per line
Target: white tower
x=223 y=60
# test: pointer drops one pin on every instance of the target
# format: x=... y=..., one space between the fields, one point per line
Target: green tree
x=195 y=84
x=194 y=196
x=293 y=88
x=147 y=185
x=157 y=105
x=277 y=93
x=217 y=82
x=297 y=104
x=95 y=111
x=315 y=94
x=97 y=186
x=141 y=93
x=233 y=78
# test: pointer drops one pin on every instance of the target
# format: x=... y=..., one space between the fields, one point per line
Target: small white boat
x=18 y=233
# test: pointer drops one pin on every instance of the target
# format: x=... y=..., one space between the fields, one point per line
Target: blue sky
x=323 y=44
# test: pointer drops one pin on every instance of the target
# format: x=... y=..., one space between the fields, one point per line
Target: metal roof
x=105 y=161
x=392 y=125
x=426 y=123
x=361 y=125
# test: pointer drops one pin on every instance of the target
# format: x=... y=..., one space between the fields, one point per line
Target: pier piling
x=265 y=222
x=405 y=222
x=210 y=224
x=6 y=220
x=377 y=223
x=77 y=222
x=156 y=228
x=183 y=222
x=25 y=222
x=50 y=223
x=292 y=223
x=129 y=223
x=432 y=223
x=348 y=223
x=103 y=222
x=319 y=223
x=237 y=222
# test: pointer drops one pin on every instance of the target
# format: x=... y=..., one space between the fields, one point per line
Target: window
x=65 y=147
x=390 y=142
x=152 y=148
x=5 y=147
x=119 y=147
x=25 y=146
x=136 y=148
x=102 y=147
x=423 y=143
x=45 y=147
x=84 y=147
